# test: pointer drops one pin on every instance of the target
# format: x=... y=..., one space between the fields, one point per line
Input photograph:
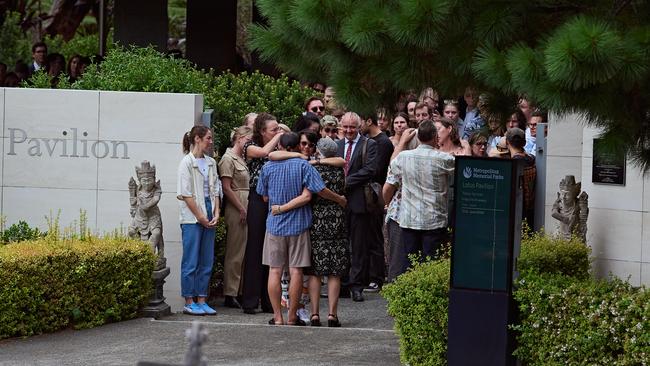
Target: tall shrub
x=233 y=96
x=143 y=69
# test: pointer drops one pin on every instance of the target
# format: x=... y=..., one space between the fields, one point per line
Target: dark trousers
x=396 y=253
x=363 y=237
x=256 y=275
x=377 y=263
x=425 y=242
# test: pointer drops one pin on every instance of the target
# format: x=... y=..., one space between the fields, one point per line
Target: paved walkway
x=366 y=338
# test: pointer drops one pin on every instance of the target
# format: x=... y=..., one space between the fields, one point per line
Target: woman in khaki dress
x=234 y=177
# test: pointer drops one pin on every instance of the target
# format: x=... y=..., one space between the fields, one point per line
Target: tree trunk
x=66 y=15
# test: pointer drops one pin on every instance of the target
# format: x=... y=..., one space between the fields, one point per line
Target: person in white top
x=199 y=193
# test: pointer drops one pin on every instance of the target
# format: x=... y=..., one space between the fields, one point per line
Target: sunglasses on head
x=306 y=143
x=317 y=109
x=330 y=129
x=451 y=102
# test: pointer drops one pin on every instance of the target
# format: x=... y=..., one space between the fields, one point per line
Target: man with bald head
x=359 y=170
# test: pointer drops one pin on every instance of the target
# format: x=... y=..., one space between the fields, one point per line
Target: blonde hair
x=250 y=116
x=284 y=127
x=240 y=132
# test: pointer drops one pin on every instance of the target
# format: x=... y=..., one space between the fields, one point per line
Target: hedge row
x=49 y=283
x=566 y=317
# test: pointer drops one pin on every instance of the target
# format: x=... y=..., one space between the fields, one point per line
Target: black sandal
x=314 y=322
x=333 y=323
x=298 y=322
x=272 y=322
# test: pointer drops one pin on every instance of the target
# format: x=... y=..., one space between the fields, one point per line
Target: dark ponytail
x=188 y=137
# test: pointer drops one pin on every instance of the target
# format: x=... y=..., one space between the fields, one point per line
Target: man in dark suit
x=370 y=128
x=39 y=56
x=358 y=172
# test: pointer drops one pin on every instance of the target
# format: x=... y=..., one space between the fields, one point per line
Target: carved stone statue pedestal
x=157 y=306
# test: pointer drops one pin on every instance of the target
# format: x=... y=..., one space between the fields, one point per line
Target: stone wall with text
x=73 y=150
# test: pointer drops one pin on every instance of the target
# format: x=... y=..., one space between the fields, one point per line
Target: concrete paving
x=366 y=338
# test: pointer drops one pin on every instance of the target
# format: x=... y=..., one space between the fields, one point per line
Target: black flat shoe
x=231 y=302
x=314 y=320
x=298 y=323
x=333 y=323
x=357 y=296
x=272 y=322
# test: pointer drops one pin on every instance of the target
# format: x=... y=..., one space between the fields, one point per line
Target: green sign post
x=487 y=206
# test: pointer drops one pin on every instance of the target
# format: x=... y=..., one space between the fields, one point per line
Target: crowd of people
x=54 y=64
x=341 y=200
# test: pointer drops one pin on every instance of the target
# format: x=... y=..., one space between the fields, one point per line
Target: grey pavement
x=234 y=338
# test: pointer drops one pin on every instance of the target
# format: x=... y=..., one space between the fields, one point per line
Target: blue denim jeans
x=198 y=255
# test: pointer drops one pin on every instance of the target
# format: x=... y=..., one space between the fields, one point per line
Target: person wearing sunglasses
x=478 y=143
x=329 y=127
x=315 y=105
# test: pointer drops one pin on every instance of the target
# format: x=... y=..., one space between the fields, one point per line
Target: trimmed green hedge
x=49 y=284
x=545 y=254
x=571 y=321
x=418 y=301
x=566 y=316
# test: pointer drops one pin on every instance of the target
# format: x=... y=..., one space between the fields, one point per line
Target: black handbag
x=372 y=190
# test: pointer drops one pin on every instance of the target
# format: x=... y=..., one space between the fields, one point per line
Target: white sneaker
x=303 y=314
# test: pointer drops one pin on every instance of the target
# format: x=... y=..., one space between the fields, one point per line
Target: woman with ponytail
x=199 y=192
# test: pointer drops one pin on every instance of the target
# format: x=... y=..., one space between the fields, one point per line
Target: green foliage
x=230 y=96
x=52 y=283
x=572 y=56
x=80 y=44
x=544 y=254
x=41 y=80
x=20 y=231
x=233 y=96
x=143 y=69
x=418 y=301
x=568 y=321
x=15 y=44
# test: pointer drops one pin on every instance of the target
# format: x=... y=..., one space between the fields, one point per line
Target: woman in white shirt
x=199 y=192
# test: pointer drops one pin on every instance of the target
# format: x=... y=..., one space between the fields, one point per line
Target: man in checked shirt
x=287 y=240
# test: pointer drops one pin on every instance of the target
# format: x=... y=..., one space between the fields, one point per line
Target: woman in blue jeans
x=199 y=192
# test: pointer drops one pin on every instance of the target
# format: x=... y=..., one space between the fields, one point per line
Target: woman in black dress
x=329 y=239
x=266 y=135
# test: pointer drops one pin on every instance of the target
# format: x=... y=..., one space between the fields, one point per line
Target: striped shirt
x=424 y=174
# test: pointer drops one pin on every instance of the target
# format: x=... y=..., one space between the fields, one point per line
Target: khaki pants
x=235 y=248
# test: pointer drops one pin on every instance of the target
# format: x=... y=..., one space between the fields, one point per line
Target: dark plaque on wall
x=608 y=167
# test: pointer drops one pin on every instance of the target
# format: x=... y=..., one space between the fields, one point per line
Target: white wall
x=619 y=216
x=149 y=125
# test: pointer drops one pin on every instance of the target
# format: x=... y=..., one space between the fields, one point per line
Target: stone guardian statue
x=147 y=222
x=146 y=225
x=571 y=209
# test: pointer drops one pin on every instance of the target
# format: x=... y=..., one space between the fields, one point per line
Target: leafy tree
x=589 y=57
